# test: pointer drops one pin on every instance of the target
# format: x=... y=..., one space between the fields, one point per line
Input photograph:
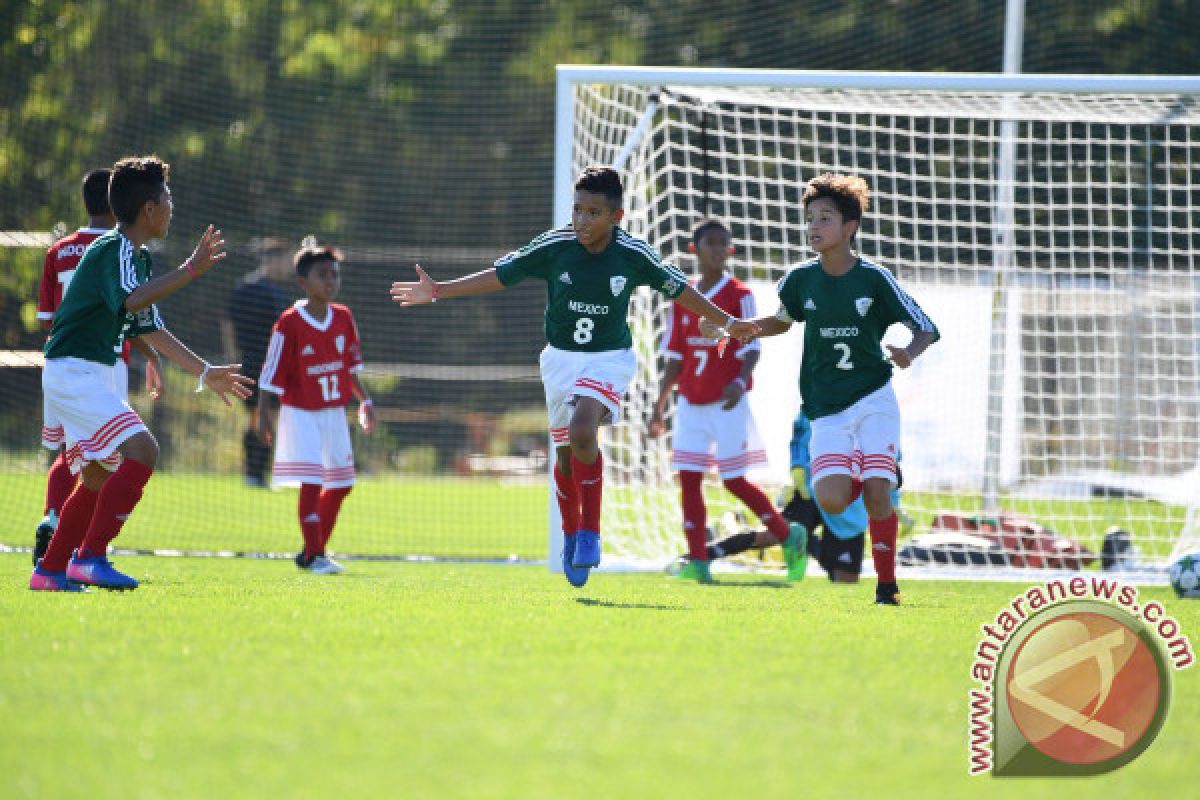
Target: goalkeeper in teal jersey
x=847 y=304
x=591 y=269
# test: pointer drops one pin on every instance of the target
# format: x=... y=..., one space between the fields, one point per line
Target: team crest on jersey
x=308 y=350
x=340 y=342
x=670 y=286
x=863 y=304
x=565 y=278
x=617 y=284
x=809 y=305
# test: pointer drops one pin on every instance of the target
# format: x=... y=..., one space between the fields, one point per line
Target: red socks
x=883 y=547
x=328 y=506
x=59 y=484
x=73 y=519
x=567 y=495
x=695 y=516
x=310 y=519
x=760 y=504
x=589 y=478
x=114 y=504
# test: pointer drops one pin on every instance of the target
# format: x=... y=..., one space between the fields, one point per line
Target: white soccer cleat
x=324 y=565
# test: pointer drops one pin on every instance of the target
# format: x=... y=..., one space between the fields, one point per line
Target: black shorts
x=845 y=555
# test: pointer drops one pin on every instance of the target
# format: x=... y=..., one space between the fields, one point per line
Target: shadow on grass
x=592 y=601
x=762 y=583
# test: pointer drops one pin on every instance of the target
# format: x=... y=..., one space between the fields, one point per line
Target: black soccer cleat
x=41 y=539
x=887 y=594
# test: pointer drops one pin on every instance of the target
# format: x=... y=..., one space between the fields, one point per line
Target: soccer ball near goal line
x=1185 y=575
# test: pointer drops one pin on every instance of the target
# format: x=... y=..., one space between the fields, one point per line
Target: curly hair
x=849 y=193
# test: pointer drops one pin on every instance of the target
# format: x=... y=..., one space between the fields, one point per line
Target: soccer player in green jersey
x=847 y=304
x=111 y=296
x=591 y=269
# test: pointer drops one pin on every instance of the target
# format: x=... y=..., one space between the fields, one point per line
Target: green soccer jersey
x=92 y=323
x=845 y=317
x=587 y=306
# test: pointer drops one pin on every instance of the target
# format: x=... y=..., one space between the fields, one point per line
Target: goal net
x=1049 y=225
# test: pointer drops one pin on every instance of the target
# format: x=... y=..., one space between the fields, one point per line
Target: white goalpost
x=1049 y=224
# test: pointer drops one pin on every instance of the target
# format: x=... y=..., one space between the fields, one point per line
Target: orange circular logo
x=1083 y=688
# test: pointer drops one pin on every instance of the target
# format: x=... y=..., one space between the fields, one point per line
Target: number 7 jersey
x=309 y=361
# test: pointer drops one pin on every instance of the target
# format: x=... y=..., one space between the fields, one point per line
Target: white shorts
x=567 y=375
x=120 y=380
x=84 y=412
x=699 y=429
x=313 y=447
x=862 y=440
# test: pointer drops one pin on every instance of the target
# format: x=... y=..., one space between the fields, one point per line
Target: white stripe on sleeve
x=271 y=364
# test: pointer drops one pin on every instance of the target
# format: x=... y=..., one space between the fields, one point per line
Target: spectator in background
x=255 y=302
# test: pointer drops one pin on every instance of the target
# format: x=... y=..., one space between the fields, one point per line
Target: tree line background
x=422 y=130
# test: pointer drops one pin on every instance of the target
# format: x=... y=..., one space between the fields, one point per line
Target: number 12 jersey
x=309 y=361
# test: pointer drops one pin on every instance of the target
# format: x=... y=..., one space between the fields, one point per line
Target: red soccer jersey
x=705 y=374
x=61 y=260
x=309 y=362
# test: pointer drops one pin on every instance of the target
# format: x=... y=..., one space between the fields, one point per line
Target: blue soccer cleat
x=587 y=549
x=45 y=581
x=98 y=571
x=576 y=576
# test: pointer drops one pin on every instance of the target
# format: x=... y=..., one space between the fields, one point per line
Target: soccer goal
x=1050 y=225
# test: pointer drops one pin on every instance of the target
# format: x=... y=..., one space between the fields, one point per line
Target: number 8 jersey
x=845 y=317
x=587 y=304
x=309 y=361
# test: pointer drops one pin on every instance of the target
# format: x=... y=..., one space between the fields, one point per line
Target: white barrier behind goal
x=1049 y=225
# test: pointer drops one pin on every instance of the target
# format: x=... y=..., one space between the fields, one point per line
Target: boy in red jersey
x=713 y=414
x=111 y=297
x=62 y=258
x=311 y=369
x=591 y=269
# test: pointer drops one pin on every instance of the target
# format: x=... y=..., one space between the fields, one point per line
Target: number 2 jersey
x=587 y=304
x=704 y=374
x=309 y=361
x=845 y=317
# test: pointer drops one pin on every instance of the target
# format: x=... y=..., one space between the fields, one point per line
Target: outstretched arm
x=701 y=306
x=222 y=380
x=208 y=252
x=426 y=290
x=763 y=326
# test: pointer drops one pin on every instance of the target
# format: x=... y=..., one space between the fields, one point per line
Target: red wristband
x=191 y=270
x=434 y=297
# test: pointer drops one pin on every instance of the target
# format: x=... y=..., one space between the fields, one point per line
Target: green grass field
x=447 y=517
x=480 y=517
x=242 y=678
